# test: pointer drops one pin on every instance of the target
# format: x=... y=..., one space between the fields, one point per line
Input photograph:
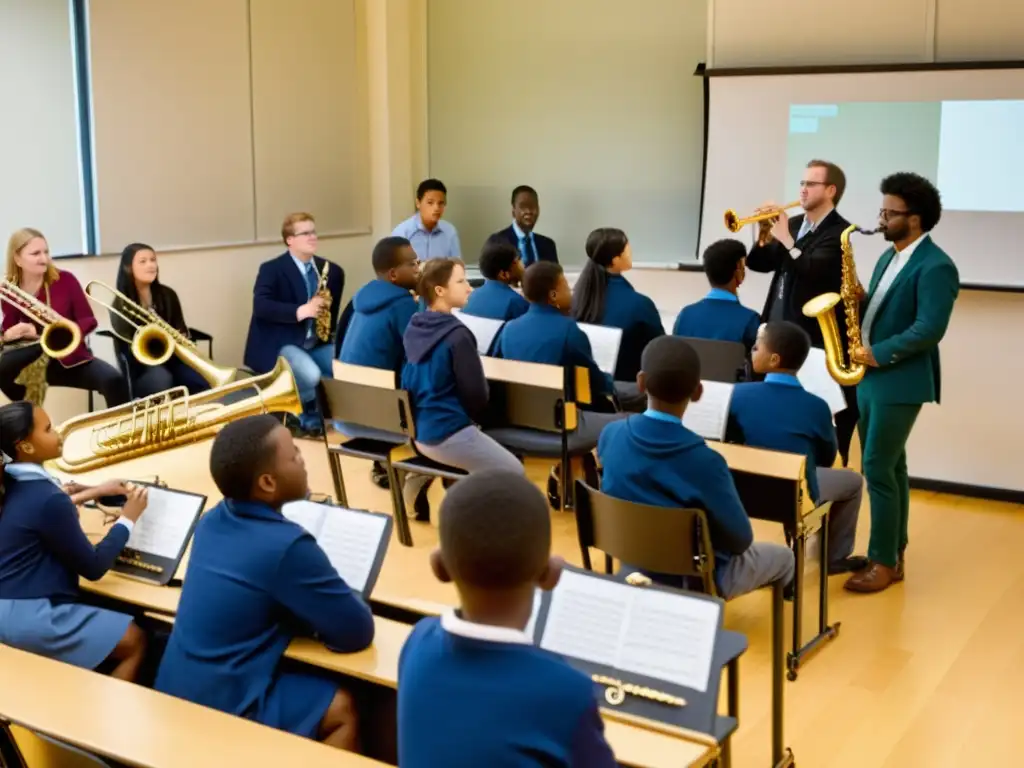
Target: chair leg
x=398 y=506
x=801 y=651
x=793 y=659
x=781 y=755
x=334 y=459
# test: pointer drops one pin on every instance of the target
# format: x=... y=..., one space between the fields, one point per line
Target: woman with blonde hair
x=25 y=370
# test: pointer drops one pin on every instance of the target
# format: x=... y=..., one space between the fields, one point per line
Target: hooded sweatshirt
x=655 y=460
x=496 y=300
x=443 y=376
x=381 y=312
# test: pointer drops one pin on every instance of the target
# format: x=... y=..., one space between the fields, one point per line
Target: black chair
x=720 y=360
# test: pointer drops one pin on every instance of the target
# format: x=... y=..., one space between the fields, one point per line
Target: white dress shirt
x=899 y=260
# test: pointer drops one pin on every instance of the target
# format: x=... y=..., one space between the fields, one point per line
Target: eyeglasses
x=805 y=184
x=888 y=213
x=308 y=233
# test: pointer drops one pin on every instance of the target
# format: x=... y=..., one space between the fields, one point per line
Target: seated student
x=602 y=296
x=473 y=690
x=255 y=580
x=532 y=245
x=43 y=552
x=779 y=414
x=503 y=269
x=446 y=384
x=431 y=238
x=720 y=315
x=651 y=458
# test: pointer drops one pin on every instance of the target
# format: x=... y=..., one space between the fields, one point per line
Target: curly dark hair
x=919 y=194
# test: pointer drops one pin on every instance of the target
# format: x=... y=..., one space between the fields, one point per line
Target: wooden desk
x=141 y=727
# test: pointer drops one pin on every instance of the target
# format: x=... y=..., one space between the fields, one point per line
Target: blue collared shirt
x=786 y=379
x=521 y=237
x=22 y=470
x=304 y=267
x=662 y=416
x=440 y=242
x=722 y=295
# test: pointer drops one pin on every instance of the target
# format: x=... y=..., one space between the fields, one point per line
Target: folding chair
x=720 y=360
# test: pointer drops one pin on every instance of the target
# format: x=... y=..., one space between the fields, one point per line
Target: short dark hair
x=240 y=454
x=540 y=279
x=919 y=194
x=789 y=341
x=385 y=253
x=495 y=530
x=671 y=369
x=431 y=185
x=721 y=258
x=497 y=255
x=435 y=272
x=833 y=175
x=521 y=190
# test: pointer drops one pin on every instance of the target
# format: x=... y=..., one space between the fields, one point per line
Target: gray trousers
x=844 y=488
x=468 y=449
x=762 y=564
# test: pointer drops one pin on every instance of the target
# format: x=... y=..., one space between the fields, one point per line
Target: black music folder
x=354 y=540
x=161 y=535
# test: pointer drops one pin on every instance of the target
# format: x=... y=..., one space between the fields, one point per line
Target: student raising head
x=44 y=552
x=651 y=458
x=431 y=237
x=502 y=267
x=253 y=578
x=505 y=701
x=720 y=315
x=602 y=296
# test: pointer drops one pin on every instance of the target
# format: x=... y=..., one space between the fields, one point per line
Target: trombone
x=155 y=340
x=734 y=223
x=59 y=337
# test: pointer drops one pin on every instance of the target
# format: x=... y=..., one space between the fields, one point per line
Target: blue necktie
x=529 y=255
x=311 y=285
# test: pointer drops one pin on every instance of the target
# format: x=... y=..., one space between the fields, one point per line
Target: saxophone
x=851 y=292
x=323 y=317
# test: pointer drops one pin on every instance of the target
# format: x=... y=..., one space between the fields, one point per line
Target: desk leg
x=398 y=506
x=782 y=756
x=793 y=659
x=725 y=759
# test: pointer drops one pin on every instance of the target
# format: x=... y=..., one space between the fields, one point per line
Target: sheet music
x=604 y=343
x=663 y=635
x=484 y=329
x=164 y=526
x=308 y=514
x=531 y=626
x=816 y=379
x=709 y=416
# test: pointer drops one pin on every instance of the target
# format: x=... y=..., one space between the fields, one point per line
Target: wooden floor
x=927 y=674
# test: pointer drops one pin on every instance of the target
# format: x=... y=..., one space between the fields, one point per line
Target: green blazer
x=909 y=323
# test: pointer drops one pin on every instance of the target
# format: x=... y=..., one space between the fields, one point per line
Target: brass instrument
x=60 y=336
x=155 y=340
x=851 y=292
x=170 y=419
x=767 y=219
x=616 y=690
x=323 y=317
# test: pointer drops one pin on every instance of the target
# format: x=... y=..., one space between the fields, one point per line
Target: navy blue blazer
x=546 y=250
x=279 y=291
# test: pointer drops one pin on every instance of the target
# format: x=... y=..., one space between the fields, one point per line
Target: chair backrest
x=366 y=397
x=530 y=395
x=771 y=484
x=658 y=539
x=719 y=360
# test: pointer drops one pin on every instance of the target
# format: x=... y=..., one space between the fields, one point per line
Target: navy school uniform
x=496 y=300
x=639 y=320
x=256 y=580
x=545 y=335
x=651 y=458
x=479 y=695
x=719 y=316
x=43 y=552
x=779 y=414
x=381 y=313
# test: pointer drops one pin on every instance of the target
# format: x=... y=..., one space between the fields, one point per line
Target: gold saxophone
x=323 y=317
x=170 y=419
x=155 y=340
x=851 y=292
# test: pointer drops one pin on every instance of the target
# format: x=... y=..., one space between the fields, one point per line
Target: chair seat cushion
x=427 y=466
x=533 y=442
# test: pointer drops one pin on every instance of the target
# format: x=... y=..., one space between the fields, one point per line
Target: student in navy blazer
x=284 y=310
x=720 y=315
x=255 y=581
x=502 y=268
x=533 y=246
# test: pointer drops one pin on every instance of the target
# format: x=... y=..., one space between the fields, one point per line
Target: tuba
x=170 y=419
x=851 y=292
x=155 y=340
x=60 y=336
x=323 y=317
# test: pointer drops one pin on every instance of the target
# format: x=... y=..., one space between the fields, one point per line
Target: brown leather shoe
x=900 y=569
x=876 y=578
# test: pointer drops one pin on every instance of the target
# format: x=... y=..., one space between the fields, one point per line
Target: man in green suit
x=905 y=315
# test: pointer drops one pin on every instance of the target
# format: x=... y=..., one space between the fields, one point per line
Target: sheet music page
x=483 y=328
x=162 y=528
x=586 y=618
x=816 y=379
x=532 y=624
x=709 y=415
x=351 y=541
x=670 y=637
x=604 y=343
x=308 y=514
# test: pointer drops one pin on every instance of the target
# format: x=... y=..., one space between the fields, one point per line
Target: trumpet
x=170 y=419
x=734 y=223
x=155 y=340
x=60 y=336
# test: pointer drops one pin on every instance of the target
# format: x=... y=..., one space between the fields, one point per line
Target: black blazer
x=279 y=291
x=818 y=270
x=546 y=250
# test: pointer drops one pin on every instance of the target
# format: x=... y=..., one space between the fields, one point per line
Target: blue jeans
x=308 y=365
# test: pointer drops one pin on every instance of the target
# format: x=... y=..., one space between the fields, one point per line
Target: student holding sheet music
x=43 y=552
x=473 y=689
x=651 y=458
x=779 y=414
x=254 y=579
x=502 y=268
x=720 y=315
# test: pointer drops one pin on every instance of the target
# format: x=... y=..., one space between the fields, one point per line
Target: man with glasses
x=285 y=305
x=807 y=260
x=906 y=312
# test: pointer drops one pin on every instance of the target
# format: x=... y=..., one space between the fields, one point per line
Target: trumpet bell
x=732 y=221
x=60 y=338
x=151 y=345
